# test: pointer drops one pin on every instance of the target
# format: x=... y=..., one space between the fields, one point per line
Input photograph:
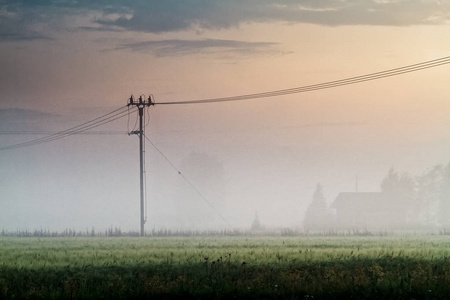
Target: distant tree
x=427 y=201
x=399 y=184
x=428 y=195
x=390 y=182
x=256 y=224
x=404 y=186
x=444 y=199
x=317 y=216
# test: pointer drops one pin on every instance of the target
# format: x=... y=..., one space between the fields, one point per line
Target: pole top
x=141 y=101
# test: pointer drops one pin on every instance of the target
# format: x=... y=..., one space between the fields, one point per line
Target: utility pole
x=141 y=104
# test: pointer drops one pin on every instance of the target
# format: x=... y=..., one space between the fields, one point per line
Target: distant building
x=371 y=210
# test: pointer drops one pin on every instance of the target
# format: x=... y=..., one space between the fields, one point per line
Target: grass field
x=223 y=267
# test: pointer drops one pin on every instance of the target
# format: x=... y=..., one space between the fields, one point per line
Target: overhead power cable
x=102 y=120
x=325 y=85
x=48 y=132
x=190 y=184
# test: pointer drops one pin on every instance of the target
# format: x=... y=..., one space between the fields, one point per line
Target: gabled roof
x=372 y=200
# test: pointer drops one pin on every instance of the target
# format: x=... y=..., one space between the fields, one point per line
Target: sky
x=67 y=62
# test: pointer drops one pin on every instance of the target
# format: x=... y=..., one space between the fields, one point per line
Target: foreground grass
x=209 y=267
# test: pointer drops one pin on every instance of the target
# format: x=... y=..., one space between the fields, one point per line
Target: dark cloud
x=13 y=119
x=184 y=47
x=100 y=29
x=13 y=26
x=18 y=18
x=30 y=20
x=19 y=114
x=173 y=15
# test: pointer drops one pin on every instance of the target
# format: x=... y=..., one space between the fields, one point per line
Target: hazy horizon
x=68 y=63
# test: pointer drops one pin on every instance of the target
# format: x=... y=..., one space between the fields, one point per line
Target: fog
x=218 y=165
x=207 y=174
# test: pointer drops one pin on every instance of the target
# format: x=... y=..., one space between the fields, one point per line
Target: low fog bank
x=298 y=178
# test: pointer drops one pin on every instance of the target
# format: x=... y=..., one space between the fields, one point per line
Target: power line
x=190 y=184
x=102 y=120
x=48 y=132
x=119 y=113
x=114 y=115
x=325 y=85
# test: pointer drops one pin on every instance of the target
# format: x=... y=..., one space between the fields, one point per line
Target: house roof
x=373 y=201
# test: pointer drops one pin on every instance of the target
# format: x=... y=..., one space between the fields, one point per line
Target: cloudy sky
x=67 y=62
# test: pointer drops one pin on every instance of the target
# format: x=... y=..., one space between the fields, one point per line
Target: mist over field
x=285 y=159
x=92 y=181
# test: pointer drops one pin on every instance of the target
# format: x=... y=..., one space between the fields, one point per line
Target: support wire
x=190 y=184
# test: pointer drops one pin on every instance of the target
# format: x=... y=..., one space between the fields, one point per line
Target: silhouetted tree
x=428 y=194
x=317 y=216
x=399 y=184
x=444 y=199
x=404 y=186
x=429 y=187
x=390 y=182
x=256 y=224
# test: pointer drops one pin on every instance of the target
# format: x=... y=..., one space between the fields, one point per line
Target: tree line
x=427 y=199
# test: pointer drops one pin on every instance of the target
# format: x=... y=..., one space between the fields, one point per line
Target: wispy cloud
x=163 y=48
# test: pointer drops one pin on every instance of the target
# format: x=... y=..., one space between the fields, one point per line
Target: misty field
x=224 y=267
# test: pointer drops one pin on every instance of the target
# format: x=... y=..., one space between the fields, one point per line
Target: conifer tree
x=317 y=216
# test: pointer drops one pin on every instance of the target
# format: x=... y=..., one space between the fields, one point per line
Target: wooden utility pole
x=141 y=104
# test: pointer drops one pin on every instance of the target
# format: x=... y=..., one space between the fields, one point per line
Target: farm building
x=371 y=210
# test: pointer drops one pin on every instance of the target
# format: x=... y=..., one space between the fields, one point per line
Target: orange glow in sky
x=77 y=62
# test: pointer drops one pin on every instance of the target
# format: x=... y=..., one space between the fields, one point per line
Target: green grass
x=223 y=267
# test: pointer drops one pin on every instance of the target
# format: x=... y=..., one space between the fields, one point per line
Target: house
x=371 y=210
